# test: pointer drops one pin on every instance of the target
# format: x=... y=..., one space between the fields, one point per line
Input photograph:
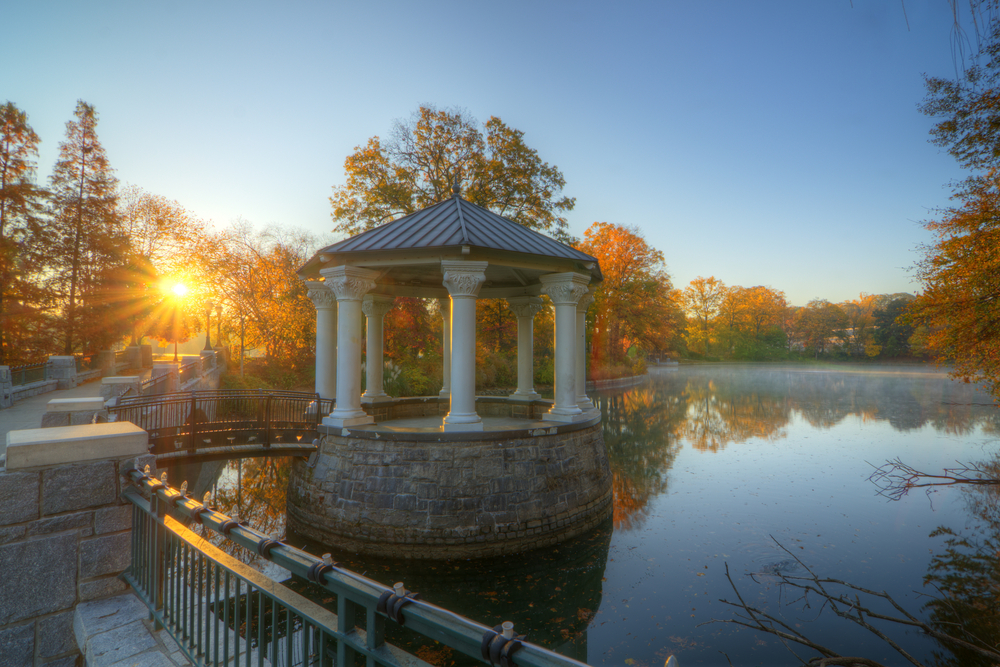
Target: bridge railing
x=221 y=611
x=199 y=420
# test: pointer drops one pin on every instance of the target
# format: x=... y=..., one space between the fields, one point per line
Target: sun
x=178 y=289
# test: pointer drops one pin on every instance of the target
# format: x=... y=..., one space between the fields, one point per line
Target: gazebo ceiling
x=408 y=252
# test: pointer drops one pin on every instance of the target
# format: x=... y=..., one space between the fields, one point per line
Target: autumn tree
x=702 y=299
x=159 y=230
x=20 y=199
x=254 y=274
x=818 y=323
x=893 y=329
x=86 y=240
x=634 y=305
x=426 y=155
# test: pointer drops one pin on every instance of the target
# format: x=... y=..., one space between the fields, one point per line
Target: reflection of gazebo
x=456 y=252
x=448 y=476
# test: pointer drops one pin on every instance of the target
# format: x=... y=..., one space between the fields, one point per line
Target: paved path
x=27 y=413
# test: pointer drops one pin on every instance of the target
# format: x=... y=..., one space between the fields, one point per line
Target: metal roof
x=456 y=222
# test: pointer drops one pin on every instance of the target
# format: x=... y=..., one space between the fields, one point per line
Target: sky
x=763 y=143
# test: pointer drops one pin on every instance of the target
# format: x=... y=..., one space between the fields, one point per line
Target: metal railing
x=28 y=373
x=188 y=371
x=221 y=611
x=85 y=362
x=121 y=356
x=154 y=386
x=201 y=420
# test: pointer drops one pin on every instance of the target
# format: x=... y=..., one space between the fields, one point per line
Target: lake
x=761 y=468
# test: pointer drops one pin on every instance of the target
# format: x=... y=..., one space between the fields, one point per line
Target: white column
x=326 y=338
x=375 y=306
x=525 y=308
x=565 y=290
x=463 y=280
x=350 y=284
x=445 y=305
x=582 y=400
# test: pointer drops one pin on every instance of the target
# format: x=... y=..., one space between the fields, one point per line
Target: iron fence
x=200 y=420
x=85 y=362
x=221 y=611
x=28 y=373
x=188 y=371
x=154 y=386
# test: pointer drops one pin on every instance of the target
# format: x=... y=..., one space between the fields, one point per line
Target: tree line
x=88 y=263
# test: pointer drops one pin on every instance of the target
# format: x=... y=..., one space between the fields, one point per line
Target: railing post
x=267 y=418
x=157 y=567
x=194 y=421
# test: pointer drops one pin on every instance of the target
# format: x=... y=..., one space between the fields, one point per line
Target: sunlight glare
x=179 y=289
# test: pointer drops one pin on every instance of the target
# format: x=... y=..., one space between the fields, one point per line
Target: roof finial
x=456 y=188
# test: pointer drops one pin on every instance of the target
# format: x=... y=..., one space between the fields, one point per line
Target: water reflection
x=966 y=576
x=720 y=406
x=638 y=425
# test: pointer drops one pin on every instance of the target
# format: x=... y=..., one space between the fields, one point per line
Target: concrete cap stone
x=36 y=447
x=120 y=379
x=75 y=404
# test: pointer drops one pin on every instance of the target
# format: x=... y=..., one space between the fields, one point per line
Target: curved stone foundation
x=452 y=495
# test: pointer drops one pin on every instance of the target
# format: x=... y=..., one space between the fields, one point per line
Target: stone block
x=55 y=635
x=18 y=497
x=101 y=588
x=11 y=533
x=70 y=444
x=53 y=419
x=91 y=403
x=78 y=487
x=113 y=519
x=82 y=522
x=40 y=577
x=17 y=646
x=119 y=644
x=93 y=618
x=105 y=554
x=66 y=661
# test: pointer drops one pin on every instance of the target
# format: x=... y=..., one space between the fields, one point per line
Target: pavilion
x=452 y=475
x=457 y=252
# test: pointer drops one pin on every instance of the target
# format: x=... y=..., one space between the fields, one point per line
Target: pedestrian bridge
x=213 y=425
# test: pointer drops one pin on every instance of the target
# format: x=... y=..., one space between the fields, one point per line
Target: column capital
x=564 y=288
x=349 y=283
x=463 y=278
x=320 y=294
x=586 y=300
x=524 y=306
x=377 y=305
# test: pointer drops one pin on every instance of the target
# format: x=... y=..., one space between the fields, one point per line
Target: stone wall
x=64 y=538
x=463 y=495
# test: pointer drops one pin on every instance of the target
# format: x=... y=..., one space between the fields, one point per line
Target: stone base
x=341 y=422
x=417 y=495
x=460 y=427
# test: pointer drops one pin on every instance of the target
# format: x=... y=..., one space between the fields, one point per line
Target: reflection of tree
x=719 y=413
x=638 y=423
x=733 y=404
x=260 y=502
x=967 y=577
x=555 y=592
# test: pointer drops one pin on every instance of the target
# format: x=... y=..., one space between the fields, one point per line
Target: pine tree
x=87 y=242
x=19 y=208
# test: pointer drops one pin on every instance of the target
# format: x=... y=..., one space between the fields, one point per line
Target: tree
x=634 y=305
x=19 y=202
x=426 y=155
x=86 y=238
x=159 y=230
x=958 y=312
x=818 y=323
x=254 y=273
x=892 y=331
x=702 y=299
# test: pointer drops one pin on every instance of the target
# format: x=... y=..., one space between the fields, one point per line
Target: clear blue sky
x=773 y=143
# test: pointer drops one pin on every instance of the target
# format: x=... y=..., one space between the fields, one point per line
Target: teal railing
x=222 y=612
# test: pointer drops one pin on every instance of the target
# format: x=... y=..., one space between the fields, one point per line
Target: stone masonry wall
x=64 y=538
x=433 y=498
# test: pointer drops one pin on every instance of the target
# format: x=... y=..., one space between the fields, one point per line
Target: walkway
x=27 y=413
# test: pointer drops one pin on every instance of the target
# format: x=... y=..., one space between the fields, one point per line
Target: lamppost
x=218 y=323
x=178 y=290
x=208 y=325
